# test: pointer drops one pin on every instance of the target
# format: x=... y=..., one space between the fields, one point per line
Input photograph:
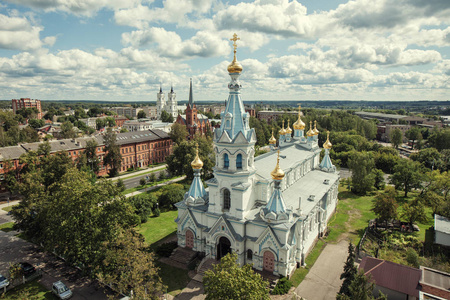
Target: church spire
x=196 y=194
x=191 y=96
x=160 y=88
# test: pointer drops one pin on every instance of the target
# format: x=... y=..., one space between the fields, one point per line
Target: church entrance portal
x=269 y=259
x=223 y=247
x=189 y=239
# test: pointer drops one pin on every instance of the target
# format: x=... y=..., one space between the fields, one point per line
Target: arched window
x=239 y=161
x=249 y=254
x=226 y=199
x=226 y=161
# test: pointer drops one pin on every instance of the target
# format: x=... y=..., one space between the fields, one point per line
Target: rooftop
x=441 y=224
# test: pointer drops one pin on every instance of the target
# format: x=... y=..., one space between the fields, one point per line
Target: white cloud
x=17 y=33
x=170 y=44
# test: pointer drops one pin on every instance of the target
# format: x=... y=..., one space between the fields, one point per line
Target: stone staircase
x=180 y=258
x=206 y=264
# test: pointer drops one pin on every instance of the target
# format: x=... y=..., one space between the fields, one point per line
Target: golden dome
x=272 y=139
x=327 y=144
x=288 y=129
x=282 y=130
x=299 y=125
x=197 y=162
x=310 y=131
x=277 y=173
x=315 y=131
x=235 y=66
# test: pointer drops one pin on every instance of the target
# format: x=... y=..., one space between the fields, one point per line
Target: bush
x=156 y=212
x=283 y=286
x=412 y=258
x=120 y=185
x=170 y=195
x=142 y=181
x=166 y=249
x=142 y=205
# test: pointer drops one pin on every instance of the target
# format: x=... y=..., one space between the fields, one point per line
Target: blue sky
x=290 y=50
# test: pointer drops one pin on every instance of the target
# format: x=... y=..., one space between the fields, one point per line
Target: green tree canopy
x=166 y=117
x=361 y=165
x=396 y=137
x=350 y=271
x=178 y=133
x=113 y=158
x=407 y=175
x=67 y=130
x=141 y=115
x=229 y=281
x=385 y=206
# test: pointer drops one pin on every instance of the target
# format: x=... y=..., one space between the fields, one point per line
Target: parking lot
x=14 y=250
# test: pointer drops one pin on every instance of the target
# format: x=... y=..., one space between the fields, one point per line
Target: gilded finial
x=272 y=139
x=310 y=131
x=196 y=164
x=288 y=129
x=315 y=131
x=277 y=173
x=327 y=144
x=299 y=125
x=234 y=67
x=282 y=130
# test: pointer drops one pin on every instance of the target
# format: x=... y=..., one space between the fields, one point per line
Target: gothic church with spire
x=269 y=210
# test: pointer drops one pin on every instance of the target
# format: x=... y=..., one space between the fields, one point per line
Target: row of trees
x=10 y=132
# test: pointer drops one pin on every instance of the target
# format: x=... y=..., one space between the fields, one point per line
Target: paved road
x=4 y=218
x=14 y=249
x=322 y=282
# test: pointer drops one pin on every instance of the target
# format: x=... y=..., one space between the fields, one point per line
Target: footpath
x=144 y=190
x=144 y=171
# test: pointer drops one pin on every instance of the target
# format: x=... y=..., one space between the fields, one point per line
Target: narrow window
x=249 y=254
x=226 y=199
x=226 y=161
x=239 y=161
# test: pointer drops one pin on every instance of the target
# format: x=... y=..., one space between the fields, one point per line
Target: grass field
x=7 y=227
x=30 y=290
x=8 y=208
x=157 y=228
x=174 y=278
x=148 y=185
x=300 y=273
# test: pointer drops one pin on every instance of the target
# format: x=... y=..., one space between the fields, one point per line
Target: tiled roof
x=392 y=276
x=12 y=152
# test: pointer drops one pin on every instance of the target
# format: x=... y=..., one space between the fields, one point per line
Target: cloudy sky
x=290 y=49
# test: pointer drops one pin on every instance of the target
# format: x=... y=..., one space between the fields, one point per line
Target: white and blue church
x=269 y=210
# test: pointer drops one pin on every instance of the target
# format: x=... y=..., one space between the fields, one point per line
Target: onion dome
x=197 y=162
x=277 y=173
x=282 y=130
x=235 y=66
x=327 y=144
x=272 y=139
x=299 y=125
x=310 y=132
x=315 y=131
x=288 y=129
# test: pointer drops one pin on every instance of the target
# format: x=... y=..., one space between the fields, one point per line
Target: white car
x=61 y=290
x=3 y=282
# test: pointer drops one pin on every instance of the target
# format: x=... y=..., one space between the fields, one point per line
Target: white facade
x=170 y=106
x=270 y=223
x=143 y=125
x=441 y=230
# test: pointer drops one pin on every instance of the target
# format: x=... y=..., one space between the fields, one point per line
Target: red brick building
x=18 y=104
x=195 y=123
x=137 y=150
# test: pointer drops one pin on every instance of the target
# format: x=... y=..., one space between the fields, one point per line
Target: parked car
x=61 y=290
x=27 y=268
x=3 y=282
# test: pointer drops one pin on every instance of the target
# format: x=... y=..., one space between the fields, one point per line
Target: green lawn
x=300 y=273
x=174 y=278
x=140 y=187
x=30 y=290
x=157 y=228
x=8 y=208
x=7 y=227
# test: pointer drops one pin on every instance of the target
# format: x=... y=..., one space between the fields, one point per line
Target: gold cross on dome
x=234 y=39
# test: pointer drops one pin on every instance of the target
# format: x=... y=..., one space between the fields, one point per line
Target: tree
x=166 y=117
x=229 y=281
x=142 y=181
x=379 y=179
x=179 y=162
x=361 y=165
x=171 y=194
x=384 y=205
x=413 y=134
x=178 y=133
x=112 y=158
x=407 y=175
x=100 y=123
x=350 y=271
x=141 y=115
x=120 y=185
x=67 y=130
x=396 y=137
x=36 y=123
x=414 y=212
x=361 y=289
x=440 y=139
x=129 y=269
x=429 y=158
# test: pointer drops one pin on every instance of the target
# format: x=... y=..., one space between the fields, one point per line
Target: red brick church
x=195 y=123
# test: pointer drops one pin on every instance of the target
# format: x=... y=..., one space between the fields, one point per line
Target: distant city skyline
x=122 y=50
